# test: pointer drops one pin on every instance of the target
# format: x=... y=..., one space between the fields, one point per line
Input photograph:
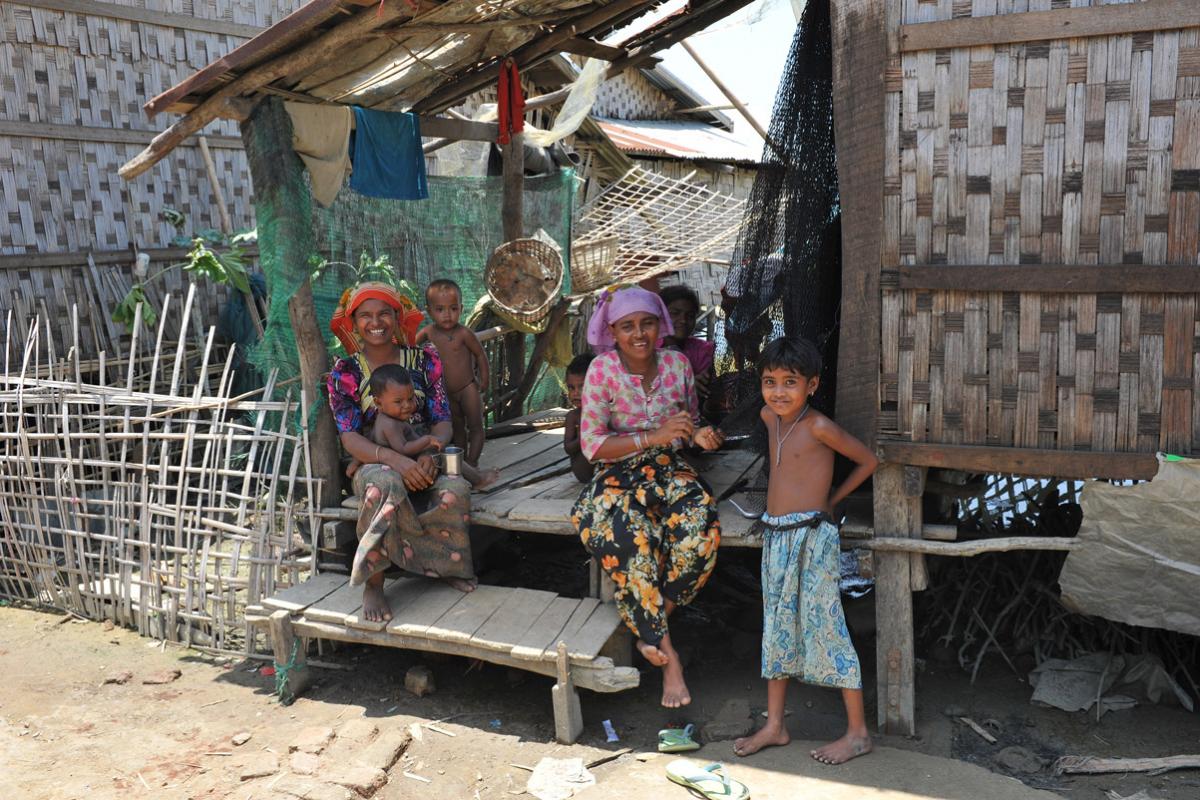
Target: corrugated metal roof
x=691 y=141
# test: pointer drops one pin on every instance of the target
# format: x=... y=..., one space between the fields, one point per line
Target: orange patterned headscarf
x=408 y=317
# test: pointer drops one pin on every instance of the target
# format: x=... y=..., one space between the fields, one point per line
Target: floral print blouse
x=614 y=403
x=350 y=393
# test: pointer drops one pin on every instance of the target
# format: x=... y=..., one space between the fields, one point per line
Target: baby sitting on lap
x=395 y=401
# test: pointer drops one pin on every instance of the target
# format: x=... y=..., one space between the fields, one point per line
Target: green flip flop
x=677 y=740
x=709 y=782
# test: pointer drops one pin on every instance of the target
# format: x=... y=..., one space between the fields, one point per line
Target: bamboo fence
x=149 y=496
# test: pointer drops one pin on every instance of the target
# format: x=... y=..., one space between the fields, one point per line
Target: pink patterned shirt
x=614 y=403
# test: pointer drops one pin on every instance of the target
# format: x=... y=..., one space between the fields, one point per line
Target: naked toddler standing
x=464 y=364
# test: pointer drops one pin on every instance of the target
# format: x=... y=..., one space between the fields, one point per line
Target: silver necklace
x=779 y=440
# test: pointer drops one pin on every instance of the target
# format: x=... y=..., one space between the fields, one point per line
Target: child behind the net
x=804 y=629
x=576 y=373
x=396 y=401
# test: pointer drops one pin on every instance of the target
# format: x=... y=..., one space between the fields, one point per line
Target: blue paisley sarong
x=804 y=629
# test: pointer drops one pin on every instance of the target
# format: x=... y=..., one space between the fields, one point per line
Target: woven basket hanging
x=592 y=264
x=524 y=277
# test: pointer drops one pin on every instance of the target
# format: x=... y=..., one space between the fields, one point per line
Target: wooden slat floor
x=526 y=624
x=536 y=489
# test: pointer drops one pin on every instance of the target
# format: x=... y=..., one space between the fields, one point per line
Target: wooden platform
x=536 y=490
x=515 y=627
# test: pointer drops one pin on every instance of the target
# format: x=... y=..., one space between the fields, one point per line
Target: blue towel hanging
x=386 y=154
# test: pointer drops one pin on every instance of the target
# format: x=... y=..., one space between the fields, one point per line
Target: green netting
x=449 y=235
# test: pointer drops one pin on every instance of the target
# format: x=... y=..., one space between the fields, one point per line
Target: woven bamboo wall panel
x=1080 y=151
x=1105 y=372
x=936 y=10
x=75 y=69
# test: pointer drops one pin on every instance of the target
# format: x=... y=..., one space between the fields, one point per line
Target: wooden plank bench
x=563 y=637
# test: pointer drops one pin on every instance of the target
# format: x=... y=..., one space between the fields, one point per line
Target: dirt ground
x=65 y=734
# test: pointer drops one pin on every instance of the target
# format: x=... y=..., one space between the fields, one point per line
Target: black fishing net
x=786 y=273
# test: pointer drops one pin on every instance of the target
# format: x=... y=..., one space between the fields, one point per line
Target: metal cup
x=452 y=460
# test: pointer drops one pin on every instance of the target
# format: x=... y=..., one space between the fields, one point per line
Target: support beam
x=897 y=514
x=512 y=217
x=1024 y=460
x=283 y=206
x=291 y=662
x=1059 y=23
x=1053 y=278
x=541 y=343
x=732 y=98
x=860 y=54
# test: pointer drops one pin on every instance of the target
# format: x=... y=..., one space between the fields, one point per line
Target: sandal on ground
x=709 y=782
x=677 y=740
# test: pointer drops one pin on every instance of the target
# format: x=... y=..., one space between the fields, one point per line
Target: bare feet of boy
x=766 y=736
x=375 y=605
x=839 y=752
x=652 y=654
x=486 y=479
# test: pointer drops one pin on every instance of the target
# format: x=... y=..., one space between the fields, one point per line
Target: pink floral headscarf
x=620 y=301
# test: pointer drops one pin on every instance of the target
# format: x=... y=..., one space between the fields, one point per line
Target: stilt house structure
x=1021 y=229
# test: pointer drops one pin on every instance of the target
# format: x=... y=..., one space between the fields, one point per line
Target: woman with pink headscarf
x=646 y=516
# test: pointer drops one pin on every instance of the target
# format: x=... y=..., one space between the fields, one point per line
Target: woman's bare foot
x=766 y=736
x=675 y=692
x=464 y=585
x=375 y=605
x=652 y=654
x=839 y=752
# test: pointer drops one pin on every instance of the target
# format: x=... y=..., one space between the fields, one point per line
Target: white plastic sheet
x=1139 y=556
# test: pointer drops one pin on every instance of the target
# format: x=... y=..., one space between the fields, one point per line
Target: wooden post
x=227 y=228
x=898 y=514
x=289 y=656
x=541 y=343
x=568 y=716
x=283 y=205
x=512 y=216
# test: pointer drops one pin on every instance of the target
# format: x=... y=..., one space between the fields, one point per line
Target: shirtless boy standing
x=464 y=364
x=804 y=629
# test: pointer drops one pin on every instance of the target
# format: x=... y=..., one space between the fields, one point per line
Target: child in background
x=395 y=401
x=684 y=306
x=804 y=628
x=464 y=364
x=576 y=372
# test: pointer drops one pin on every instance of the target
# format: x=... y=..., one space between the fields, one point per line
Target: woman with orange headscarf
x=409 y=515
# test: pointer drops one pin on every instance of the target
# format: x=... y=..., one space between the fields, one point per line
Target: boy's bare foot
x=675 y=692
x=486 y=479
x=652 y=654
x=375 y=605
x=766 y=736
x=839 y=752
x=464 y=585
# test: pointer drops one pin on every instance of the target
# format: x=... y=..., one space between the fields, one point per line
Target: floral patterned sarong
x=653 y=526
x=804 y=629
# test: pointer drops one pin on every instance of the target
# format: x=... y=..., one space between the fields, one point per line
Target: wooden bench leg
x=568 y=716
x=599 y=584
x=291 y=663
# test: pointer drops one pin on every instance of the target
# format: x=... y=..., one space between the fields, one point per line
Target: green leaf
x=126 y=311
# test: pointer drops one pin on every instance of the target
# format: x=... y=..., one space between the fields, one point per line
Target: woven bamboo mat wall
x=149 y=496
x=1077 y=158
